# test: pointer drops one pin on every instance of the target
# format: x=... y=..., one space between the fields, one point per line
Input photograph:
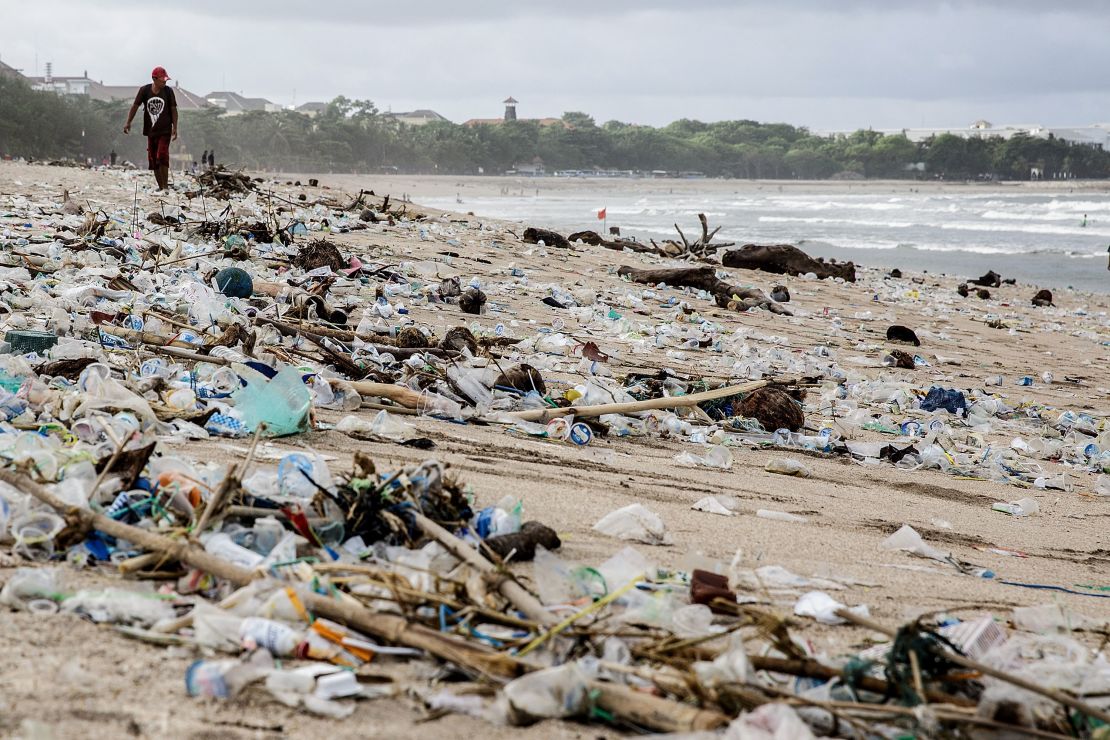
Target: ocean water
x=1036 y=237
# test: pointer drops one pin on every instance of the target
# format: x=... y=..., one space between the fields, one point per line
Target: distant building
x=535 y=168
x=97 y=90
x=1097 y=134
x=311 y=109
x=234 y=104
x=510 y=115
x=8 y=71
x=419 y=117
x=62 y=85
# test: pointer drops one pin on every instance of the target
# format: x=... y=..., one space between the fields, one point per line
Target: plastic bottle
x=267 y=532
x=1023 y=507
x=788 y=466
x=224 y=679
x=278 y=638
x=221 y=545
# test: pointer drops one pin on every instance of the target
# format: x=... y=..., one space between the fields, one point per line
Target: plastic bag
x=383 y=426
x=119 y=606
x=769 y=722
x=282 y=402
x=718 y=457
x=634 y=522
x=549 y=693
x=822 y=607
x=909 y=540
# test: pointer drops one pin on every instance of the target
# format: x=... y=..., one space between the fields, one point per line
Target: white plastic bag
x=634 y=522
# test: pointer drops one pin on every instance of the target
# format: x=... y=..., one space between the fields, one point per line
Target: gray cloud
x=809 y=62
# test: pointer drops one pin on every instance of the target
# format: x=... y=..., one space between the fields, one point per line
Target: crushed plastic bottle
x=788 y=466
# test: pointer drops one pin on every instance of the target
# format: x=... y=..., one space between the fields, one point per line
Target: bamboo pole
x=144 y=337
x=542 y=415
x=403 y=395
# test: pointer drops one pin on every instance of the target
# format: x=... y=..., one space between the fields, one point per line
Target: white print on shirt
x=154 y=108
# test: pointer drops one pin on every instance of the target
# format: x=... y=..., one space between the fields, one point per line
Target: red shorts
x=158 y=151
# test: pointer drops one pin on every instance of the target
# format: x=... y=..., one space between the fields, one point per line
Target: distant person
x=212 y=158
x=159 y=123
x=112 y=157
x=1084 y=224
x=204 y=158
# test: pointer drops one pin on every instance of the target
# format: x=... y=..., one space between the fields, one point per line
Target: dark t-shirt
x=157 y=110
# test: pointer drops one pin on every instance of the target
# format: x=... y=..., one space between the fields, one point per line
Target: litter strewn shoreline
x=338 y=398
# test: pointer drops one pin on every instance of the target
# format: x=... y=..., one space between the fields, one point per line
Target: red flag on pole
x=601 y=215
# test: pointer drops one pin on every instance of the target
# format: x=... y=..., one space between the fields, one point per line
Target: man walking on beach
x=159 y=123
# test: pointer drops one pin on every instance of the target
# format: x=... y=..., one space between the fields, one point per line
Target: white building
x=1097 y=134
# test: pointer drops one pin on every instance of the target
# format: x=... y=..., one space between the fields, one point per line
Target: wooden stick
x=140 y=561
x=1058 y=696
x=403 y=395
x=234 y=474
x=111 y=461
x=669 y=402
x=182 y=354
x=509 y=588
x=813 y=669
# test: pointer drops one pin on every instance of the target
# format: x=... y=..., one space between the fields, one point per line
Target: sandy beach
x=61 y=676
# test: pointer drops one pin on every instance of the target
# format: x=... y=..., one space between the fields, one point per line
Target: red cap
x=159 y=73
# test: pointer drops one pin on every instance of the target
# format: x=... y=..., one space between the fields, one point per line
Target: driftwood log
x=786 y=259
x=597 y=240
x=705 y=278
x=701 y=248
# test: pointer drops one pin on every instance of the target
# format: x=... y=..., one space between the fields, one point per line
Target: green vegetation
x=352 y=136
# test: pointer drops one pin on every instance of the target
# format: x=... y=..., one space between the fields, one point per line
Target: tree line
x=353 y=136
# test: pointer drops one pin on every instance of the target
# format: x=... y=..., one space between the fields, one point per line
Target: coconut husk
x=129 y=464
x=903 y=359
x=523 y=377
x=458 y=339
x=231 y=336
x=533 y=235
x=411 y=338
x=472 y=301
x=1043 y=298
x=449 y=287
x=898 y=333
x=991 y=280
x=69 y=369
x=962 y=290
x=522 y=544
x=319 y=253
x=773 y=408
x=983 y=293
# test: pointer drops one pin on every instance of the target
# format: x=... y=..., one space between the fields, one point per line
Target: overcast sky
x=827 y=64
